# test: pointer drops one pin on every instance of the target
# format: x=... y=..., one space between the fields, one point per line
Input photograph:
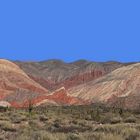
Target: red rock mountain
x=13 y=79
x=17 y=88
x=120 y=87
x=54 y=74
x=54 y=82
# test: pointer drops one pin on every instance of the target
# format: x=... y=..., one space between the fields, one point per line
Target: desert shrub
x=130 y=119
x=3 y=117
x=73 y=137
x=109 y=128
x=3 y=109
x=115 y=120
x=56 y=125
x=110 y=119
x=17 y=118
x=74 y=122
x=88 y=117
x=43 y=118
x=7 y=126
x=130 y=133
x=82 y=123
x=105 y=120
x=35 y=125
x=95 y=115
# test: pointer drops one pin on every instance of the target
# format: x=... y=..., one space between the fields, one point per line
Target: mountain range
x=54 y=82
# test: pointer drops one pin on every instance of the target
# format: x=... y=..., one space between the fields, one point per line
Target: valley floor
x=93 y=122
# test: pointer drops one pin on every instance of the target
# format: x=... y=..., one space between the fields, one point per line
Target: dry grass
x=69 y=123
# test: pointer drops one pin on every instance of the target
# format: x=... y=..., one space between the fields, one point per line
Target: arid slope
x=55 y=82
x=121 y=83
x=54 y=74
x=13 y=79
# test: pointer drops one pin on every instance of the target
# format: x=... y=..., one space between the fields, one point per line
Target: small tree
x=30 y=107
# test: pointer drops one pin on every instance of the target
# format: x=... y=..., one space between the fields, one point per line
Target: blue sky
x=98 y=30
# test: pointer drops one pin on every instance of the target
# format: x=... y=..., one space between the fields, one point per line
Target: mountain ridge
x=56 y=82
x=57 y=73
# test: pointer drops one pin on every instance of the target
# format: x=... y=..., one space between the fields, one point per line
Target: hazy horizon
x=57 y=59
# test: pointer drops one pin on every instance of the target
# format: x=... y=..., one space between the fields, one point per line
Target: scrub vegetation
x=94 y=122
